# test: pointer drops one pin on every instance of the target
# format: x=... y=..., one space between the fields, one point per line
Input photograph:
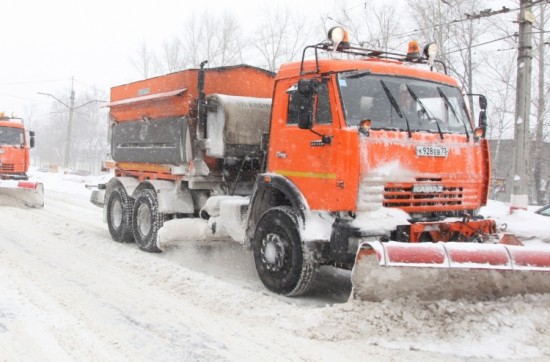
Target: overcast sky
x=46 y=42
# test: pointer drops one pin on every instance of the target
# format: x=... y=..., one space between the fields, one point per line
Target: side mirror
x=483 y=120
x=483 y=102
x=31 y=140
x=306 y=92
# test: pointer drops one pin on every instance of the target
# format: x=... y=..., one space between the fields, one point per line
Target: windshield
x=402 y=103
x=11 y=136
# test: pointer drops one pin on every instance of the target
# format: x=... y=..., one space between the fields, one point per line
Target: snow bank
x=527 y=225
x=513 y=327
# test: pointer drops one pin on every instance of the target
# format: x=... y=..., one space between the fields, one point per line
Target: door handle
x=280 y=154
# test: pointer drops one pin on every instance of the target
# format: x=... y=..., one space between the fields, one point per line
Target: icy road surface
x=69 y=293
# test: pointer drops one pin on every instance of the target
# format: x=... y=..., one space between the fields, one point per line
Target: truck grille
x=7 y=167
x=424 y=195
x=403 y=197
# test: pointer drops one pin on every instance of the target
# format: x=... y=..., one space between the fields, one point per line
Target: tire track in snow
x=90 y=298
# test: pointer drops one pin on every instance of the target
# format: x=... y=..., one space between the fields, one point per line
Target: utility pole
x=520 y=186
x=71 y=107
x=67 y=155
x=541 y=105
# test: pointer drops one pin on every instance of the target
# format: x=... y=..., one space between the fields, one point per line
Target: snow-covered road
x=69 y=293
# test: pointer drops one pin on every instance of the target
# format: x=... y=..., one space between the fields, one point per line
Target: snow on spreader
x=452 y=270
x=21 y=193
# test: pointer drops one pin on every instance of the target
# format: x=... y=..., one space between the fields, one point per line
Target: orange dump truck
x=372 y=162
x=15 y=144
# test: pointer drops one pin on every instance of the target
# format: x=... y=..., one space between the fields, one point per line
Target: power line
x=16 y=97
x=486 y=13
x=494 y=40
x=480 y=44
x=33 y=81
x=496 y=50
x=482 y=14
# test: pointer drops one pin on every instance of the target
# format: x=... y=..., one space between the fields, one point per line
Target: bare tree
x=373 y=27
x=89 y=142
x=501 y=91
x=281 y=36
x=144 y=61
x=229 y=47
x=171 y=58
x=446 y=23
x=433 y=20
x=211 y=38
x=205 y=36
x=191 y=41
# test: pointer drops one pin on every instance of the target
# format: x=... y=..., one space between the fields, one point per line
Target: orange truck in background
x=370 y=161
x=15 y=145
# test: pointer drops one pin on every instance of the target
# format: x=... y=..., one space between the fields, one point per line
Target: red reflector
x=26 y=184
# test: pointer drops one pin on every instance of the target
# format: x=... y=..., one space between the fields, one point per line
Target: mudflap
x=452 y=270
x=22 y=194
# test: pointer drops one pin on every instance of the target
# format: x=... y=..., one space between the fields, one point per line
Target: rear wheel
x=279 y=254
x=147 y=220
x=119 y=215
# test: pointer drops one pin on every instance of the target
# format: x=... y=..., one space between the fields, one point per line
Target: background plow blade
x=22 y=193
x=432 y=271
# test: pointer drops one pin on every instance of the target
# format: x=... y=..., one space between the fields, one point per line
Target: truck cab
x=377 y=123
x=15 y=144
x=384 y=147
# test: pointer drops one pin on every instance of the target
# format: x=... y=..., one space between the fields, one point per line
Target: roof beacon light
x=413 y=53
x=338 y=37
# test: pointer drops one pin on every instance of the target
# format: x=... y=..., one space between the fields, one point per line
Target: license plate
x=427 y=189
x=432 y=151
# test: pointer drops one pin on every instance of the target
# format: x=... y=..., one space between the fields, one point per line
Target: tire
x=146 y=221
x=279 y=254
x=119 y=215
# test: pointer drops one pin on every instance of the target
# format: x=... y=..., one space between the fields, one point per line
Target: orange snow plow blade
x=453 y=270
x=21 y=193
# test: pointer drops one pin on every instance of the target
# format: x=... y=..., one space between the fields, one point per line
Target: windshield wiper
x=425 y=110
x=359 y=75
x=450 y=106
x=396 y=106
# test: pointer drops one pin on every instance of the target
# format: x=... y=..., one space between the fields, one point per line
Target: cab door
x=306 y=156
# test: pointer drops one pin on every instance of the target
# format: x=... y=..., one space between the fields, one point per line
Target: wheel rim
x=144 y=219
x=116 y=214
x=273 y=252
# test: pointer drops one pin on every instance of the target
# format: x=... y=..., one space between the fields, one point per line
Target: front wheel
x=146 y=221
x=279 y=254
